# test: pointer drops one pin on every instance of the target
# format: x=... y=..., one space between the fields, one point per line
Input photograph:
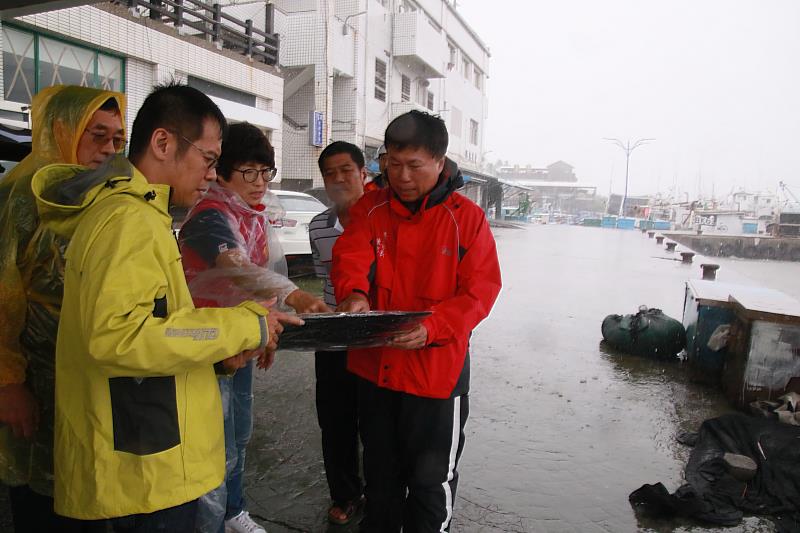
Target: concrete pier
x=743 y=246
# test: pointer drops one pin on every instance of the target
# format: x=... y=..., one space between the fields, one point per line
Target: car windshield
x=301 y=203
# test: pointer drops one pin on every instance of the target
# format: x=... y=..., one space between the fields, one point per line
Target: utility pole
x=627 y=148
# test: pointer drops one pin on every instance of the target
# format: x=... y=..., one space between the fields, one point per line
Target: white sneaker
x=242 y=523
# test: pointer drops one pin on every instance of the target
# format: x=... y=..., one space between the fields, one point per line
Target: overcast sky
x=716 y=82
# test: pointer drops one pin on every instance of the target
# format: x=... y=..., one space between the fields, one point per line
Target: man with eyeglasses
x=74 y=125
x=230 y=254
x=417 y=245
x=139 y=433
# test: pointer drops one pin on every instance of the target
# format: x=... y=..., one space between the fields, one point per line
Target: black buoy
x=671 y=246
x=709 y=271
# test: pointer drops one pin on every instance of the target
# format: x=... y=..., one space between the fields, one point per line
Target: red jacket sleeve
x=478 y=281
x=353 y=253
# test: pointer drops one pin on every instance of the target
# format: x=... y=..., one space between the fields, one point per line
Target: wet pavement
x=560 y=430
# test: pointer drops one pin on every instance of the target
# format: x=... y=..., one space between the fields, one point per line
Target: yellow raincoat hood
x=59 y=115
x=31 y=275
x=63 y=192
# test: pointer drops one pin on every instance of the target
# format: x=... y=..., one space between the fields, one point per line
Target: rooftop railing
x=211 y=22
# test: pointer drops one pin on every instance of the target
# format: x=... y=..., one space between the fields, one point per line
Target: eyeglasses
x=211 y=159
x=102 y=138
x=251 y=174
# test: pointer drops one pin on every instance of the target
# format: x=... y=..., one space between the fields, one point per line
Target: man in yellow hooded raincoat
x=75 y=125
x=138 y=434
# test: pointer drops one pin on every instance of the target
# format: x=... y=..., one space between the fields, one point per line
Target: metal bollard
x=686 y=257
x=709 y=271
x=671 y=246
x=650 y=234
x=644 y=230
x=659 y=239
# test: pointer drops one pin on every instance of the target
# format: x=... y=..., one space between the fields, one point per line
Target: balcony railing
x=210 y=21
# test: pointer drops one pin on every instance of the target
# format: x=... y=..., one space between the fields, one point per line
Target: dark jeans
x=178 y=519
x=337 y=413
x=33 y=513
x=411 y=450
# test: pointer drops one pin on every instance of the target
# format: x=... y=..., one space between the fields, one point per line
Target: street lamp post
x=627 y=148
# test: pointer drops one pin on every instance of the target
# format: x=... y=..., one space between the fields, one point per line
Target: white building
x=360 y=63
x=128 y=47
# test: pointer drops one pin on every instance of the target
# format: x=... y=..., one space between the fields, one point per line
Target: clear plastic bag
x=231 y=252
x=719 y=339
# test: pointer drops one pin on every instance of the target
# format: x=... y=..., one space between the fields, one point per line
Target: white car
x=292 y=229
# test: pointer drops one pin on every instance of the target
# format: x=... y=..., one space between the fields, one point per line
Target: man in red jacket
x=416 y=245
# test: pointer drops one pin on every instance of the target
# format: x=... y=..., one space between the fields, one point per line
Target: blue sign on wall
x=315 y=127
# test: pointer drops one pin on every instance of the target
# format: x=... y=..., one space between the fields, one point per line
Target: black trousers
x=337 y=413
x=411 y=450
x=33 y=513
x=178 y=519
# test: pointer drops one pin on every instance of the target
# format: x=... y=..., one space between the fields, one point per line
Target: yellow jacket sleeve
x=127 y=269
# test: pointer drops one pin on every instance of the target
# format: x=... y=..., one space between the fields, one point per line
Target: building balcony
x=399 y=108
x=419 y=44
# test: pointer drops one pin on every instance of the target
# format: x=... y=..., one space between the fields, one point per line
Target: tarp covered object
x=712 y=494
x=649 y=333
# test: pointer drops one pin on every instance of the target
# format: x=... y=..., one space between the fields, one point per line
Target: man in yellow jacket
x=138 y=434
x=77 y=125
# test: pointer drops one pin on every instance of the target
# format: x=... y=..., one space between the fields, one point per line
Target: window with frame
x=422 y=93
x=453 y=55
x=466 y=68
x=380 y=80
x=473 y=132
x=405 y=88
x=478 y=79
x=32 y=62
x=431 y=99
x=220 y=91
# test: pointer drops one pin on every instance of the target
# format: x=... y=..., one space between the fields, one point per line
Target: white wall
x=378 y=45
x=355 y=114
